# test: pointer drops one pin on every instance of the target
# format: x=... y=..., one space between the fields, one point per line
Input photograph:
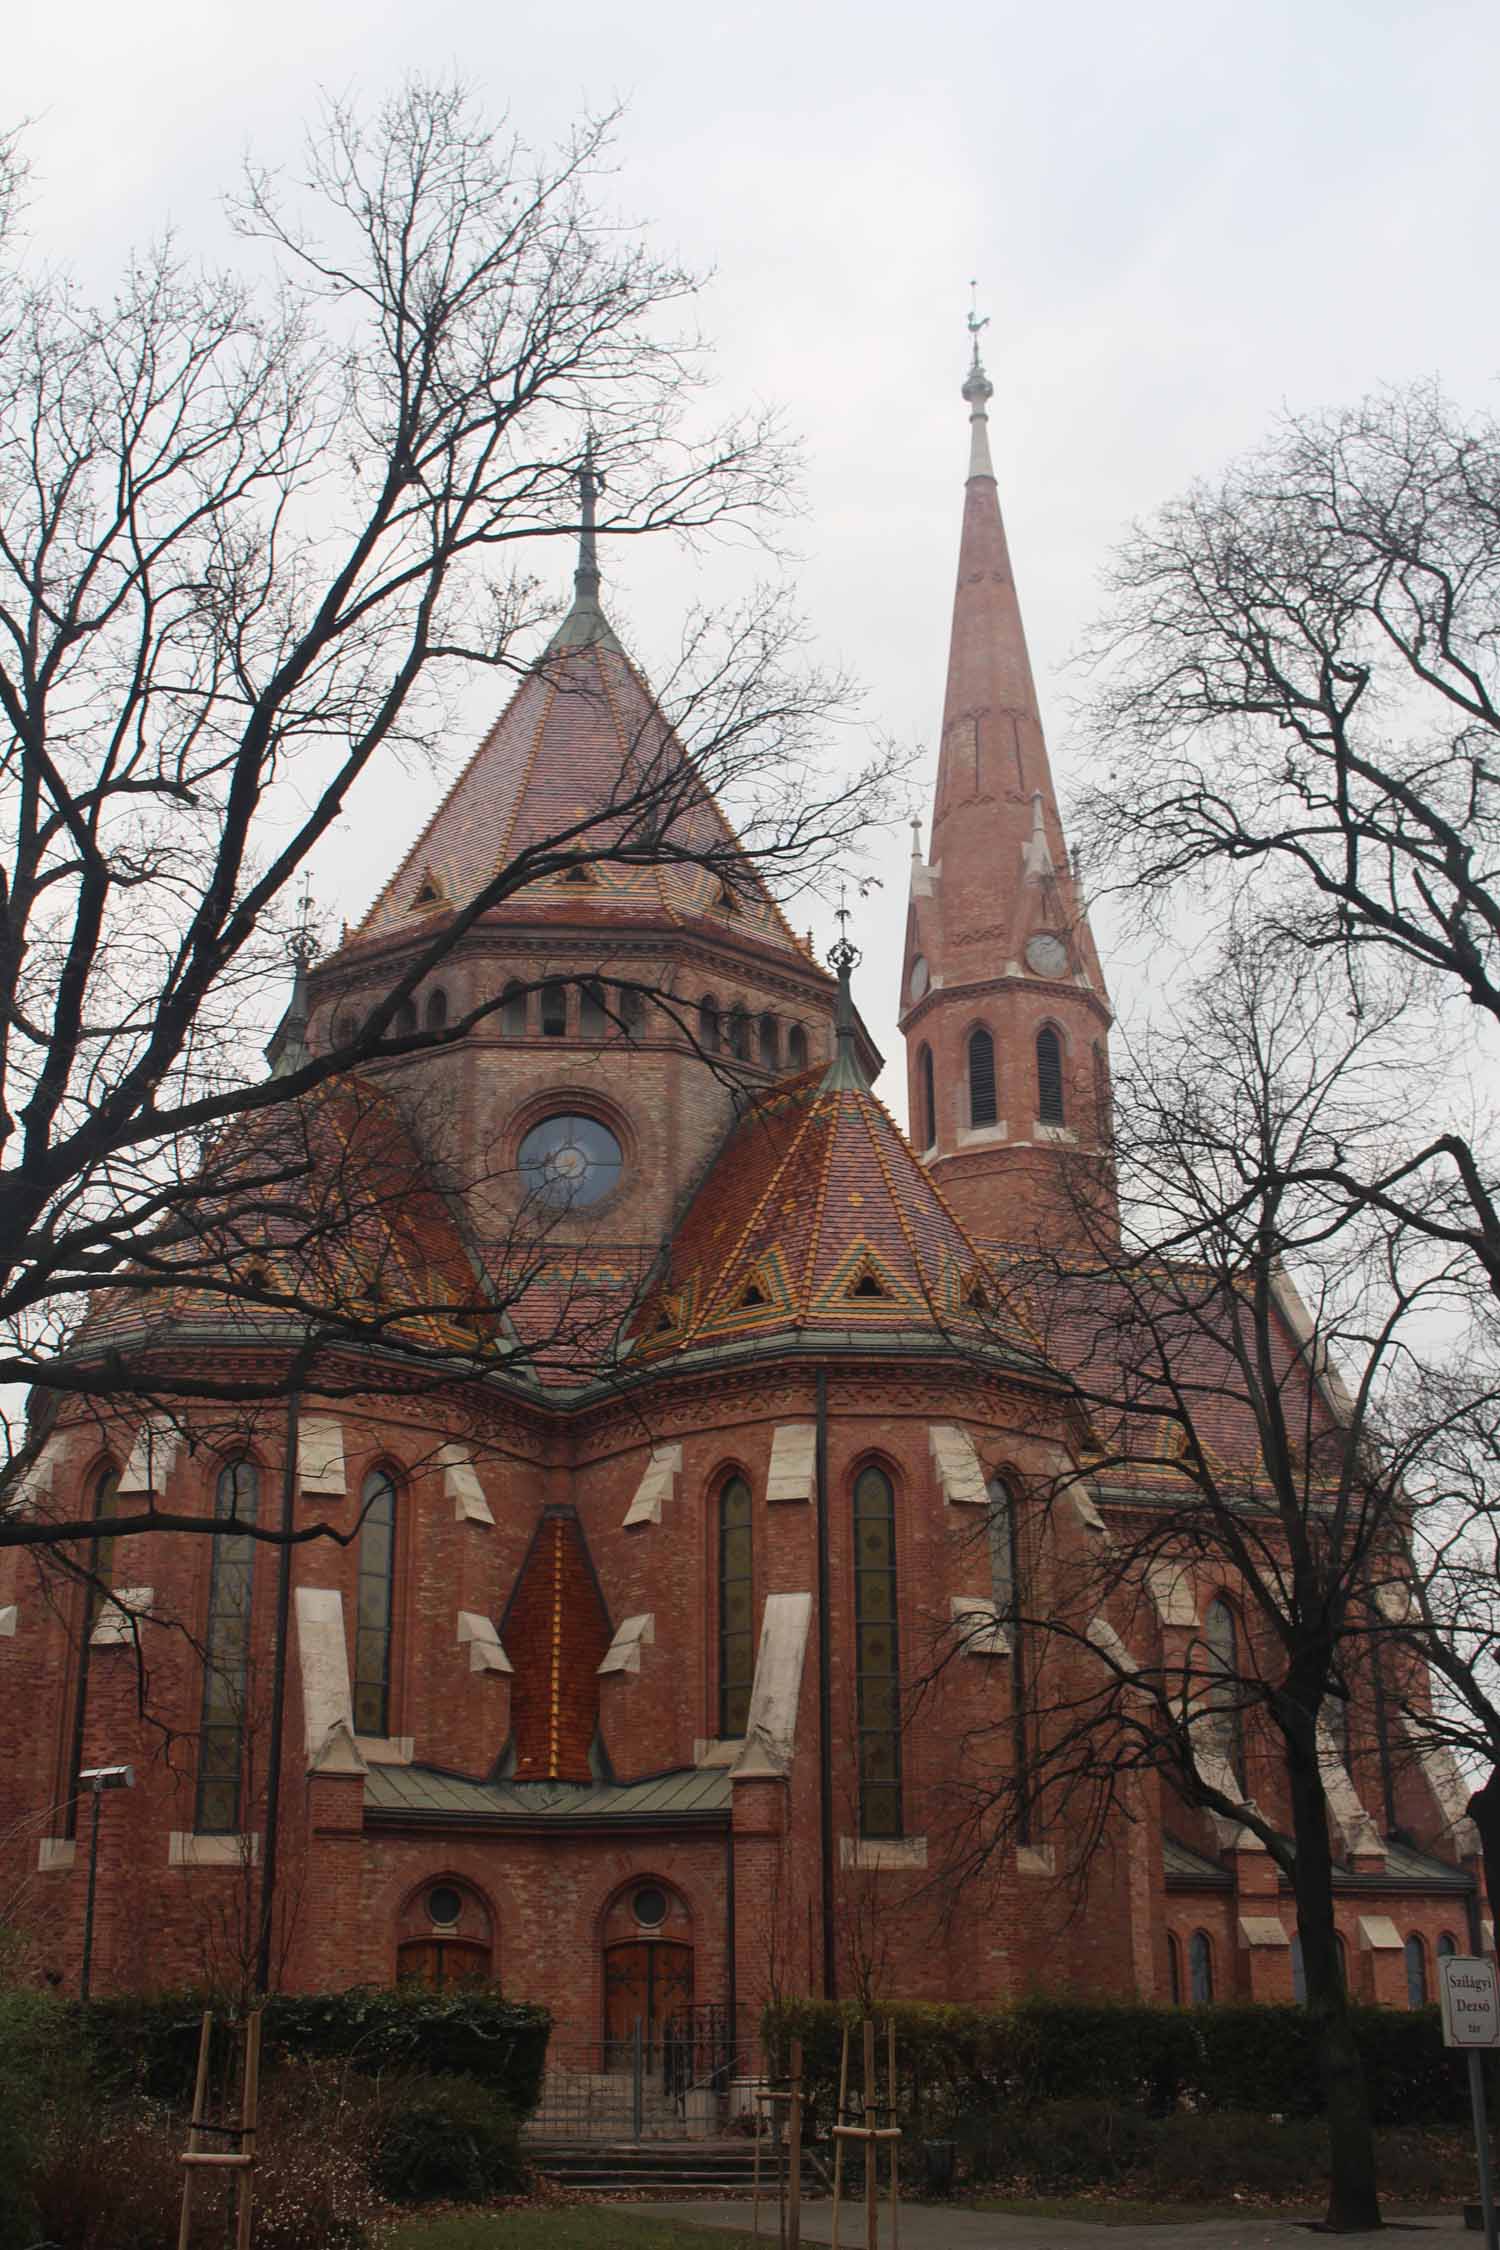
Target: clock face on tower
x=916 y=983
x=1046 y=955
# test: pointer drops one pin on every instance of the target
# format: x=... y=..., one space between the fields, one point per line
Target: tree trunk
x=1353 y=2197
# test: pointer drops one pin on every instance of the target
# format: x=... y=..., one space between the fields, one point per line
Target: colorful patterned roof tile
x=818 y=1216
x=583 y=743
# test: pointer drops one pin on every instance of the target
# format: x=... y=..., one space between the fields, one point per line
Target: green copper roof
x=699 y=1795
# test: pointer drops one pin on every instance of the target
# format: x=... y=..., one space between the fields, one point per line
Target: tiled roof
x=1184 y=1868
x=1113 y=1330
x=817 y=1215
x=698 y=1794
x=327 y=1201
x=583 y=736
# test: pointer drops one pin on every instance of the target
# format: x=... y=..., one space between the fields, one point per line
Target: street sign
x=1470 y=1993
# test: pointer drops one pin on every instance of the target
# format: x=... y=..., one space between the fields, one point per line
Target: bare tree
x=1299 y=697
x=255 y=529
x=1203 y=1576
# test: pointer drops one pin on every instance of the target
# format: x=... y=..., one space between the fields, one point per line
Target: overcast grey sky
x=1182 y=217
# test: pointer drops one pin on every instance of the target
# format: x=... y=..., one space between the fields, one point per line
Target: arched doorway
x=647 y=1981
x=445 y=1936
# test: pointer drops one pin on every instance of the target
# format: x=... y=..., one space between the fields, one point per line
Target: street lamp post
x=96 y=1779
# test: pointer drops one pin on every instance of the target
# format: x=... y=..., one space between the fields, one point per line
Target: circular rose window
x=569 y=1161
x=650 y=1905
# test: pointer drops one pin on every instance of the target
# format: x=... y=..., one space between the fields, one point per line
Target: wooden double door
x=646 y=1981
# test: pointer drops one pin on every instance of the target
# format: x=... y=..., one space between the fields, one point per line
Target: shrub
x=152 y=2045
x=959 y=2063
x=445 y=2139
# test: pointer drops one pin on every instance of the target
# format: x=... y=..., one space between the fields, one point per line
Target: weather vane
x=843 y=954
x=977 y=325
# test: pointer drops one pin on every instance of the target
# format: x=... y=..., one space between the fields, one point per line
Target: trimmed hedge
x=972 y=2062
x=150 y=2046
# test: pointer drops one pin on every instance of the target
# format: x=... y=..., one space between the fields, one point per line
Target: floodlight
x=107 y=1777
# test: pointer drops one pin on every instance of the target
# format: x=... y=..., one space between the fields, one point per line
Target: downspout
x=731 y=1979
x=825 y=1697
x=278 y=1695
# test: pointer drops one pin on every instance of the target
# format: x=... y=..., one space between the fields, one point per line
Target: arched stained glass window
x=372 y=1627
x=1001 y=1530
x=982 y=1107
x=796 y=1048
x=226 y=1653
x=1416 y=1971
x=1201 y=1968
x=1049 y=1077
x=708 y=1026
x=435 y=1013
x=1224 y=1691
x=1447 y=1946
x=736 y=1608
x=513 y=1011
x=877 y=1654
x=926 y=1097
x=1174 y=1969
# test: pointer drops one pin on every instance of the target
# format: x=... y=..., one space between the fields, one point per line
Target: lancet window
x=226 y=1653
x=1223 y=1696
x=708 y=1026
x=435 y=1014
x=877 y=1654
x=593 y=1016
x=513 y=1011
x=1049 y=1077
x=796 y=1047
x=372 y=1628
x=736 y=1608
x=982 y=1105
x=927 y=1097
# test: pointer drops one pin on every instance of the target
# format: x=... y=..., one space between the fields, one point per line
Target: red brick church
x=610 y=1696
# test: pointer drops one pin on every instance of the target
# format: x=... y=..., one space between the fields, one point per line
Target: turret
x=1003 y=1002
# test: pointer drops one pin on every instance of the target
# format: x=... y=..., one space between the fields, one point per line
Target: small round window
x=444 y=1905
x=650 y=1903
x=569 y=1161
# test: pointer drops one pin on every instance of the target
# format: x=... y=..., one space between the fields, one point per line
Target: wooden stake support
x=871 y=2135
x=788 y=2157
x=240 y=2161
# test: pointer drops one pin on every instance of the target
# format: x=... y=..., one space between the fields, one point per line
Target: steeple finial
x=844 y=1073
x=590 y=485
x=978 y=390
x=286 y=1049
x=585 y=625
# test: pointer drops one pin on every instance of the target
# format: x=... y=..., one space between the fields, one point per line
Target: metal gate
x=668 y=2082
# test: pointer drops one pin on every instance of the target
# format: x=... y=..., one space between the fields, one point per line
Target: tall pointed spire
x=1003 y=999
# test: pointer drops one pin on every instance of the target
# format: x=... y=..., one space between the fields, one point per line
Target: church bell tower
x=1003 y=1004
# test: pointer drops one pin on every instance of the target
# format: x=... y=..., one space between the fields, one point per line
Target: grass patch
x=1124 y=2212
x=565 y=2227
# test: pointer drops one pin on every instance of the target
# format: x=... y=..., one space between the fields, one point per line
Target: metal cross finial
x=302 y=945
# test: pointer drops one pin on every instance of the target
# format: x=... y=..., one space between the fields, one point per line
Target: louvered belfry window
x=1049 y=1077
x=372 y=1631
x=226 y=1654
x=877 y=1654
x=982 y=1109
x=736 y=1609
x=928 y=1094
